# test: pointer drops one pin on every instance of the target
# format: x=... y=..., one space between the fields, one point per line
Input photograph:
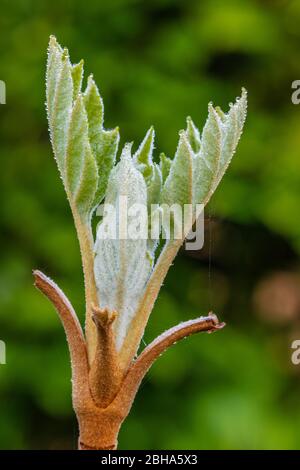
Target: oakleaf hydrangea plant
x=122 y=274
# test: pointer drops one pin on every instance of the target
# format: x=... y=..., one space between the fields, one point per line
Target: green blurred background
x=155 y=63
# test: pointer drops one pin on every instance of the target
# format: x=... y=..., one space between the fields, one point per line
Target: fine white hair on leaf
x=122 y=266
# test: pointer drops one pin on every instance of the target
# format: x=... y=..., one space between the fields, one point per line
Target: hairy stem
x=74 y=334
x=86 y=242
x=144 y=361
x=139 y=322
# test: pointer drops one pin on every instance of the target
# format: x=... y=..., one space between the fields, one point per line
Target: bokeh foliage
x=155 y=63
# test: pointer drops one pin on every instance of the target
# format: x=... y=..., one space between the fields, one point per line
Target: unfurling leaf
x=219 y=140
x=77 y=143
x=164 y=165
x=206 y=162
x=122 y=277
x=52 y=74
x=143 y=156
x=232 y=125
x=121 y=273
x=61 y=111
x=88 y=184
x=77 y=76
x=154 y=186
x=105 y=154
x=193 y=135
x=81 y=177
x=94 y=108
x=84 y=150
x=178 y=186
x=122 y=265
x=104 y=143
x=143 y=160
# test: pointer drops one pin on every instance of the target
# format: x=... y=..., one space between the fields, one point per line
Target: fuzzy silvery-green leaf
x=61 y=110
x=165 y=165
x=231 y=127
x=143 y=156
x=154 y=186
x=81 y=171
x=220 y=113
x=77 y=143
x=206 y=162
x=105 y=155
x=80 y=143
x=122 y=266
x=193 y=135
x=178 y=186
x=77 y=76
x=219 y=140
x=104 y=143
x=69 y=127
x=94 y=108
x=87 y=188
x=143 y=160
x=52 y=74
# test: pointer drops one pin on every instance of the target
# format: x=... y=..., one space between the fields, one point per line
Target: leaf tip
x=52 y=41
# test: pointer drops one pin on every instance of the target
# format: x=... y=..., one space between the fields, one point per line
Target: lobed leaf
x=104 y=143
x=206 y=163
x=220 y=137
x=80 y=143
x=231 y=126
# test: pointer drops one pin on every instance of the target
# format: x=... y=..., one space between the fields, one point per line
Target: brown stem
x=140 y=367
x=73 y=330
x=104 y=376
x=101 y=399
x=98 y=427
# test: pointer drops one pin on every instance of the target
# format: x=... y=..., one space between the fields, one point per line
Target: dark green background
x=155 y=63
